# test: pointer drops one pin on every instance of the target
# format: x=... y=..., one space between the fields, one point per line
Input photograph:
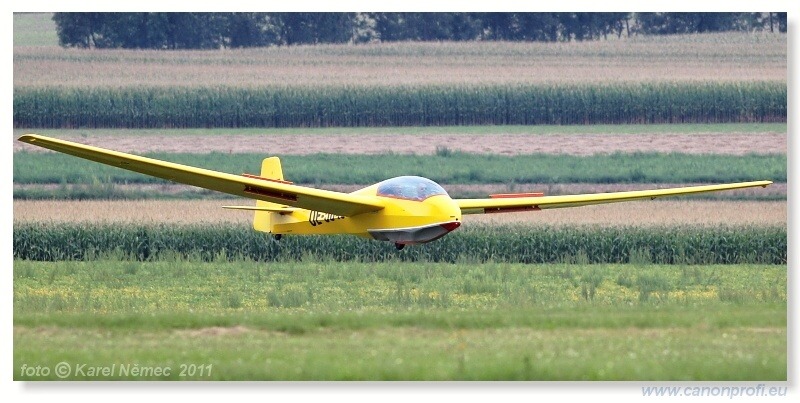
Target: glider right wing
x=515 y=204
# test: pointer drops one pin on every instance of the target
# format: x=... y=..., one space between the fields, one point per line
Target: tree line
x=237 y=30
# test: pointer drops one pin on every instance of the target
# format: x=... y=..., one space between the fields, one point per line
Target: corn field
x=478 y=244
x=431 y=105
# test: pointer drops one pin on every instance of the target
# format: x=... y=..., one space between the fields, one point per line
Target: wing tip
x=28 y=138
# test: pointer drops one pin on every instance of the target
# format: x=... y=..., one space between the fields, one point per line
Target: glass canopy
x=410 y=188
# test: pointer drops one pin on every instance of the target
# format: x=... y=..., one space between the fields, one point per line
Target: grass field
x=445 y=168
x=399 y=321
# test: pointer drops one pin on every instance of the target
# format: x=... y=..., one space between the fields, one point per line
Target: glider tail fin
x=270 y=170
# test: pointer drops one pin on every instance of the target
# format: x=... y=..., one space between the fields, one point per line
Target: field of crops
x=699 y=78
x=319 y=106
x=684 y=289
x=477 y=244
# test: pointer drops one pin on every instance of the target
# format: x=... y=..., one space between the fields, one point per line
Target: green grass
x=413 y=354
x=34 y=29
x=321 y=288
x=445 y=168
x=403 y=321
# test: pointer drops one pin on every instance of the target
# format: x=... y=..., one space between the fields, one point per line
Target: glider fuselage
x=416 y=210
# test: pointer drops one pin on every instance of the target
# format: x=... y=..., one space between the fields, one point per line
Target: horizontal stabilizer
x=284 y=209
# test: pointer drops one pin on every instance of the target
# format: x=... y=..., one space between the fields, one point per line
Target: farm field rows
x=462 y=157
x=401 y=321
x=660 y=213
x=319 y=106
x=677 y=79
x=515 y=243
x=725 y=57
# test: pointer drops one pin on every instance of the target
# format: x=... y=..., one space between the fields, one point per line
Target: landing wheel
x=399 y=246
x=277 y=237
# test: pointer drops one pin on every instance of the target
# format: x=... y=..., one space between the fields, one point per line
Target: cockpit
x=409 y=188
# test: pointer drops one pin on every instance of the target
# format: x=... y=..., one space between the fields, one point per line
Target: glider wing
x=250 y=187
x=515 y=204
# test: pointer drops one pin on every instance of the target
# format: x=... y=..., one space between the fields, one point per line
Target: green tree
x=427 y=26
x=77 y=29
x=685 y=23
x=141 y=30
x=246 y=30
x=312 y=28
x=780 y=19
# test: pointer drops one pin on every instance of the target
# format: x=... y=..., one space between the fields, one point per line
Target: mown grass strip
x=479 y=243
x=428 y=105
x=738 y=354
x=445 y=168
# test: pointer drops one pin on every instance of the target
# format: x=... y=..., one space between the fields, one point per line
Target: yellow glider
x=402 y=210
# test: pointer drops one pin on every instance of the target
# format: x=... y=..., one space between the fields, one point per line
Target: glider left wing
x=515 y=204
x=252 y=188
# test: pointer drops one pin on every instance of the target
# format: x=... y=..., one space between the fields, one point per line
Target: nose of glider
x=449 y=226
x=445 y=210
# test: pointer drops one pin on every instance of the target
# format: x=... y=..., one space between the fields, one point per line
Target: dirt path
x=645 y=213
x=510 y=144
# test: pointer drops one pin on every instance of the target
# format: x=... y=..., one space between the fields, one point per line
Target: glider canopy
x=409 y=188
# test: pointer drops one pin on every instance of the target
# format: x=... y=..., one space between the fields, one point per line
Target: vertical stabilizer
x=270 y=169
